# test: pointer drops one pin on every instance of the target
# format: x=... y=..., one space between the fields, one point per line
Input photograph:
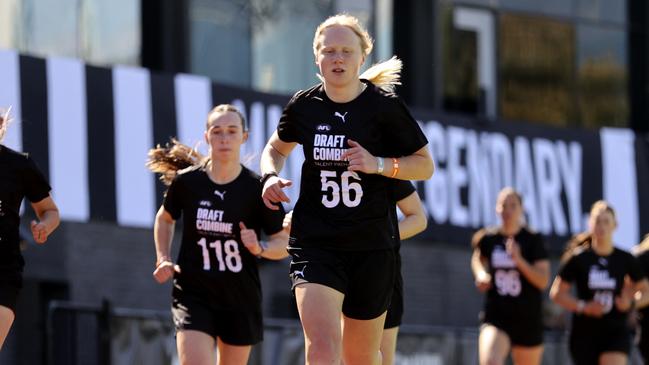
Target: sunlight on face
x=225 y=134
x=602 y=223
x=509 y=208
x=339 y=57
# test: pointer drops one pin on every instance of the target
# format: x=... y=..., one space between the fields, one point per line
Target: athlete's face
x=225 y=135
x=339 y=57
x=509 y=209
x=602 y=223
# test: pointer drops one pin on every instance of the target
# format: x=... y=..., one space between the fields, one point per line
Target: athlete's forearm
x=477 y=265
x=418 y=166
x=411 y=225
x=537 y=274
x=271 y=160
x=50 y=218
x=277 y=244
x=163 y=233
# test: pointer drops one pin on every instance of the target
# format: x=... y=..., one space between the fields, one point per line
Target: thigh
x=6 y=319
x=527 y=355
x=232 y=354
x=320 y=308
x=389 y=345
x=493 y=345
x=613 y=358
x=371 y=283
x=195 y=348
x=362 y=340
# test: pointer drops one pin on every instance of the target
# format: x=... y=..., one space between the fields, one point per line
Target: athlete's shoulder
x=481 y=235
x=623 y=253
x=306 y=95
x=12 y=155
x=250 y=175
x=527 y=230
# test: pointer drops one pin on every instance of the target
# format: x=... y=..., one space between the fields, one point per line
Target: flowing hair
x=584 y=240
x=385 y=75
x=5 y=119
x=174 y=156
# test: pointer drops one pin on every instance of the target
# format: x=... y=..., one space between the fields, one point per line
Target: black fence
x=104 y=335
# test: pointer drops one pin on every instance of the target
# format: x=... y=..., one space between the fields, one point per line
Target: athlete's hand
x=483 y=281
x=165 y=271
x=624 y=301
x=249 y=239
x=288 y=219
x=273 y=193
x=513 y=249
x=39 y=231
x=359 y=158
x=594 y=309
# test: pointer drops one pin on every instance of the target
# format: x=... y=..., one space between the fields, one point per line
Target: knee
x=492 y=360
x=322 y=350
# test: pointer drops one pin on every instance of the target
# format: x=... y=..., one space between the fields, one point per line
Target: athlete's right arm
x=272 y=161
x=163 y=234
x=480 y=272
x=561 y=293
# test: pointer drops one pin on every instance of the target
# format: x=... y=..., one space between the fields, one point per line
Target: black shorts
x=587 y=346
x=9 y=290
x=525 y=332
x=191 y=310
x=395 y=311
x=366 y=278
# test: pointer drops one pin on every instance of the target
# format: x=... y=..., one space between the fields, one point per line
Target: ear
x=205 y=135
x=245 y=136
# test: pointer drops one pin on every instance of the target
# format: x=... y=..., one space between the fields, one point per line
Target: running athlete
x=609 y=283
x=355 y=136
x=216 y=292
x=413 y=222
x=642 y=253
x=19 y=178
x=510 y=264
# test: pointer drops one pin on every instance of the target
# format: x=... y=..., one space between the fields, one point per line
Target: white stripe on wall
x=67 y=137
x=620 y=182
x=133 y=138
x=10 y=96
x=193 y=102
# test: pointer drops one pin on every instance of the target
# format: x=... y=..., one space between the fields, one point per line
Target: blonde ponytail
x=171 y=158
x=385 y=75
x=5 y=119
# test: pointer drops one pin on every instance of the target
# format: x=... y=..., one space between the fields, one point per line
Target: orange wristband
x=395 y=167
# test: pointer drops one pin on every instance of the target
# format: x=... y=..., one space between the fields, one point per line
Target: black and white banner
x=89 y=130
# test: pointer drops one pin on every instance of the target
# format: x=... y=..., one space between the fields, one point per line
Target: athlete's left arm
x=414 y=220
x=48 y=215
x=418 y=166
x=277 y=244
x=537 y=273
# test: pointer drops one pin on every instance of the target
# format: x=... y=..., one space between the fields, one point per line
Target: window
x=536 y=61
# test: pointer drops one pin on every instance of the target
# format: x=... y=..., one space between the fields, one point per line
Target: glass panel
x=609 y=10
x=282 y=49
x=553 y=7
x=50 y=27
x=9 y=23
x=602 y=75
x=220 y=38
x=112 y=32
x=536 y=60
x=460 y=56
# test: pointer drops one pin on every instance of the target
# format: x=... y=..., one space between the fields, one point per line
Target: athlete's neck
x=511 y=229
x=602 y=246
x=223 y=172
x=346 y=93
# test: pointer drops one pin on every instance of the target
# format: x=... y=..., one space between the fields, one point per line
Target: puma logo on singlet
x=220 y=194
x=341 y=116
